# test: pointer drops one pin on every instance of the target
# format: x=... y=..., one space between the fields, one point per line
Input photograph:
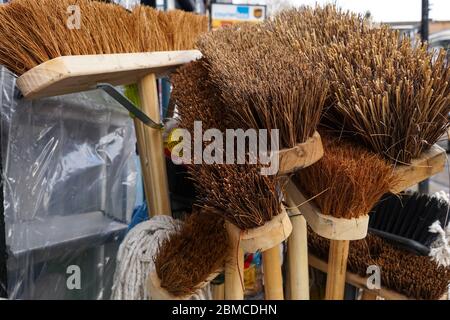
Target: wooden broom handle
x=234 y=275
x=367 y=295
x=297 y=259
x=337 y=268
x=152 y=150
x=273 y=279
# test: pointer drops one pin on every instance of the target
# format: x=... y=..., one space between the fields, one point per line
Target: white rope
x=135 y=259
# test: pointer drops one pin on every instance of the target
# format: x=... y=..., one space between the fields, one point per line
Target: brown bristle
x=239 y=193
x=36 y=31
x=187 y=258
x=414 y=276
x=347 y=181
x=263 y=85
x=320 y=25
x=388 y=94
x=196 y=99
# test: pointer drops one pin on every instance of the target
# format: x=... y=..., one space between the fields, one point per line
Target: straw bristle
x=239 y=193
x=414 y=276
x=36 y=31
x=347 y=181
x=263 y=85
x=187 y=258
x=388 y=94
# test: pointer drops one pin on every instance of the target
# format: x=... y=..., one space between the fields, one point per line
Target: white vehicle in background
x=441 y=40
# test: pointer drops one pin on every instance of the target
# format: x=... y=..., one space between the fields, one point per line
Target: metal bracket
x=127 y=104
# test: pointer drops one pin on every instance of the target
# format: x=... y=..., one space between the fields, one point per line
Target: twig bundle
x=263 y=85
x=239 y=193
x=415 y=276
x=188 y=258
x=385 y=93
x=347 y=181
x=36 y=31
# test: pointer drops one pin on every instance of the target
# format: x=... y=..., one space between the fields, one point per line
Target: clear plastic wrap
x=69 y=175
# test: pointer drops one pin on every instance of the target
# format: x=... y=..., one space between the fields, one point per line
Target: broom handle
x=337 y=268
x=218 y=291
x=234 y=276
x=297 y=256
x=273 y=279
x=367 y=295
x=152 y=152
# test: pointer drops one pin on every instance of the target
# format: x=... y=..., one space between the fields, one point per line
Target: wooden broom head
x=263 y=84
x=186 y=260
x=36 y=31
x=414 y=276
x=347 y=181
x=239 y=193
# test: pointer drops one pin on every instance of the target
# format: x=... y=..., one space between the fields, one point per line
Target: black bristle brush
x=405 y=219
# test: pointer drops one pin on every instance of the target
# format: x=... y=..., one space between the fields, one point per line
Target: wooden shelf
x=70 y=74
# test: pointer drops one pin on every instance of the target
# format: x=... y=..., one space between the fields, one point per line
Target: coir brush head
x=37 y=31
x=414 y=276
x=263 y=84
x=187 y=259
x=347 y=181
x=239 y=193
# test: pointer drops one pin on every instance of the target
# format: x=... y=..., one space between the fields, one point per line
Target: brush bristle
x=263 y=85
x=348 y=180
x=240 y=193
x=414 y=276
x=388 y=94
x=409 y=216
x=195 y=99
x=36 y=31
x=187 y=258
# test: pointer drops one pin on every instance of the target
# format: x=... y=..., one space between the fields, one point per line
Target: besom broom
x=247 y=200
x=111 y=46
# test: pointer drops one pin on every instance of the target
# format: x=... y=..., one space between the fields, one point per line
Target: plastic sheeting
x=69 y=174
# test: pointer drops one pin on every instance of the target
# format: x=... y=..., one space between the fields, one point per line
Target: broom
x=264 y=86
x=239 y=193
x=402 y=271
x=54 y=59
x=344 y=184
x=188 y=259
